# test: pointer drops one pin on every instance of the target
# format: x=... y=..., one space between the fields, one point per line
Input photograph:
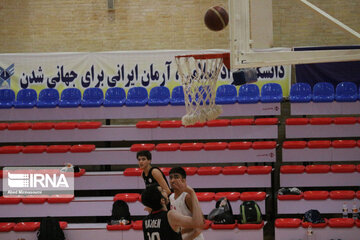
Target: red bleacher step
x=341 y=222
x=252 y=196
x=231 y=196
x=314 y=225
x=148 y=124
x=191 y=146
x=26 y=226
x=142 y=147
x=343 y=168
x=320 y=121
x=167 y=147
x=133 y=172
x=218 y=123
x=316 y=195
x=205 y=196
x=10 y=149
x=42 y=126
x=127 y=197
x=342 y=194
x=239 y=122
x=6 y=226
x=19 y=126
x=239 y=145
x=287 y=223
x=294 y=144
x=234 y=170
x=171 y=124
x=297 y=121
x=292 y=169
x=321 y=168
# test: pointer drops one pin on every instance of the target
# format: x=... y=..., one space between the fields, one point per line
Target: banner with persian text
x=124 y=69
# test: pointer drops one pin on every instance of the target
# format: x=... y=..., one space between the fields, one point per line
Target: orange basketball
x=216 y=18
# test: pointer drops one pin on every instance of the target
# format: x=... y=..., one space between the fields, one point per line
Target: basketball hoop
x=199 y=74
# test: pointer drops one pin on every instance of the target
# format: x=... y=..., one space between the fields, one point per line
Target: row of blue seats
x=137 y=96
x=324 y=92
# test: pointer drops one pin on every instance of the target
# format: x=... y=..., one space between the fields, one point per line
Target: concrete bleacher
x=323 y=201
x=93 y=206
x=322 y=127
x=123 y=156
x=318 y=151
x=325 y=108
x=324 y=99
x=134 y=133
x=322 y=149
x=117 y=180
x=334 y=229
x=319 y=175
x=99 y=231
x=149 y=112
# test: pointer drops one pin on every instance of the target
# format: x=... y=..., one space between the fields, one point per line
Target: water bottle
x=309 y=233
x=345 y=211
x=354 y=212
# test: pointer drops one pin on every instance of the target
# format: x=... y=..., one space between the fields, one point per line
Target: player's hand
x=183 y=187
x=148 y=209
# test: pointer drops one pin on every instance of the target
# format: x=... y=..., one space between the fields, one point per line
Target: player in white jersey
x=181 y=202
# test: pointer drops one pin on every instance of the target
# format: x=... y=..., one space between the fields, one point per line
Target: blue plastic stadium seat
x=346 y=92
x=159 y=96
x=70 y=97
x=323 y=92
x=300 y=93
x=7 y=98
x=48 y=98
x=249 y=93
x=115 y=97
x=137 y=96
x=226 y=94
x=177 y=96
x=26 y=98
x=271 y=93
x=93 y=97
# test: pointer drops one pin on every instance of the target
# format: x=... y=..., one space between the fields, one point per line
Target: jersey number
x=154 y=236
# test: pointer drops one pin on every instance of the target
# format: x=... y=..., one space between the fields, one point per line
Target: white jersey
x=180 y=206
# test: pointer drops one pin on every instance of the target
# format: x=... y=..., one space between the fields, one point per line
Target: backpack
x=250 y=212
x=120 y=213
x=313 y=216
x=50 y=230
x=222 y=213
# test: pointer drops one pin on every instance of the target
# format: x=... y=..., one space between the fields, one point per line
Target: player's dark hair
x=178 y=170
x=144 y=153
x=151 y=197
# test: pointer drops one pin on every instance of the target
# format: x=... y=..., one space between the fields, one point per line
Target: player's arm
x=196 y=231
x=161 y=181
x=177 y=220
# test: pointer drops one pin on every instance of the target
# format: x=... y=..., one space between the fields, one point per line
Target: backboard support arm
x=242 y=56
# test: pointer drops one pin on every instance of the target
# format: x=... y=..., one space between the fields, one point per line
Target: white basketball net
x=198 y=78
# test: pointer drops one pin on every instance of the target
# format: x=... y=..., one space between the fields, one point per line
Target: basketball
x=216 y=18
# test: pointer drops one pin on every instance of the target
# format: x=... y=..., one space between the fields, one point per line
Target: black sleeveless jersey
x=150 y=180
x=156 y=227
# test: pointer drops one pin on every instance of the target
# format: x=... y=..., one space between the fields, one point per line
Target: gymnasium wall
x=87 y=25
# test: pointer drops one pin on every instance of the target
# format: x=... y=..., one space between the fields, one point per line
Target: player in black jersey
x=161 y=224
x=152 y=175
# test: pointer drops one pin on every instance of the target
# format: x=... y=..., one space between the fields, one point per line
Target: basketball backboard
x=244 y=56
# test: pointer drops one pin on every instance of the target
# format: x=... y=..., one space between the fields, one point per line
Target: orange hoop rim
x=224 y=56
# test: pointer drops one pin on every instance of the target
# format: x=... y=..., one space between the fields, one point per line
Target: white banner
x=124 y=69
